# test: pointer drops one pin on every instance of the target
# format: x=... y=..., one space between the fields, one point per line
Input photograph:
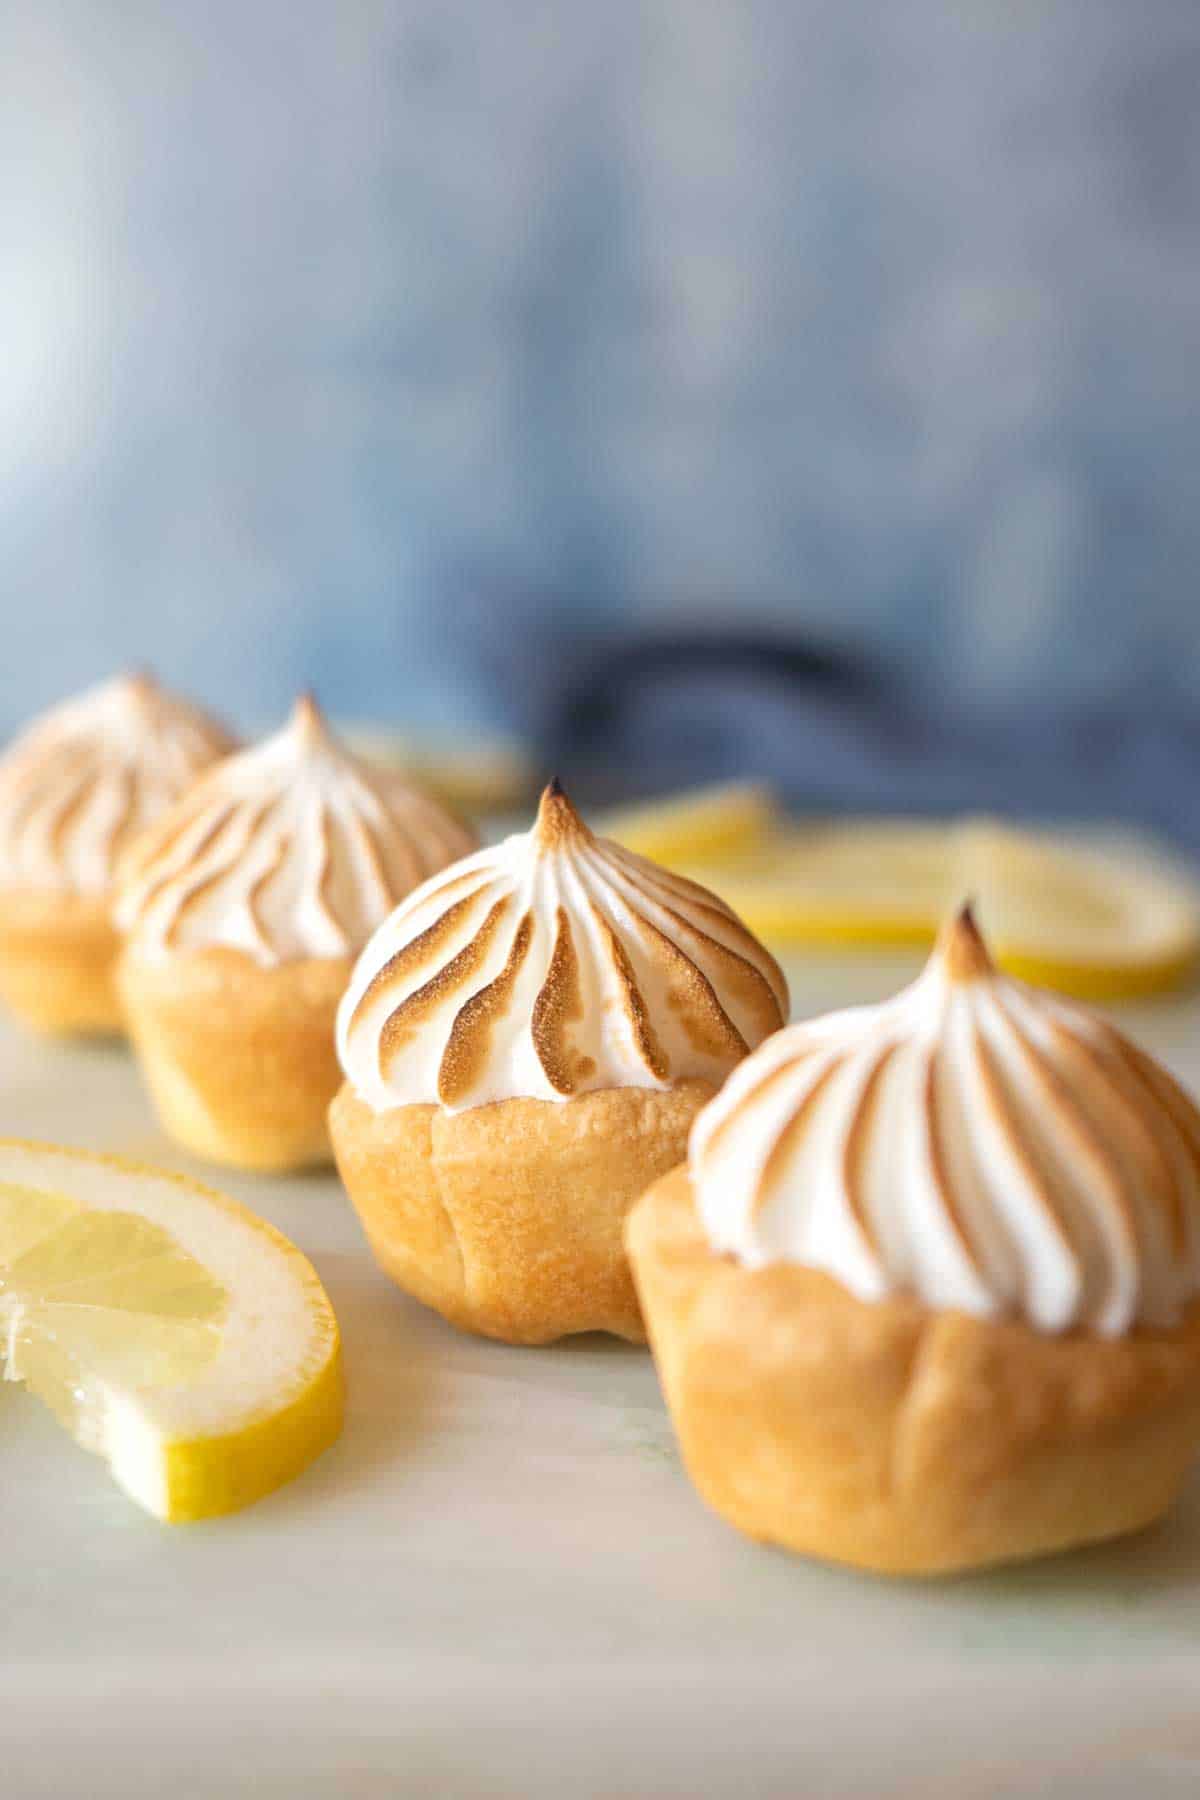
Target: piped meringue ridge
x=976 y=1142
x=293 y=848
x=550 y=965
x=82 y=782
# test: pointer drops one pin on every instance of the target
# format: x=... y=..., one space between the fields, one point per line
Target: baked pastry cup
x=75 y=788
x=847 y=1411
x=242 y=912
x=895 y=1437
x=526 y=1043
x=58 y=956
x=239 y=1059
x=507 y=1218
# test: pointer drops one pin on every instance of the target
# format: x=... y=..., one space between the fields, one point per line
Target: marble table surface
x=500 y=1582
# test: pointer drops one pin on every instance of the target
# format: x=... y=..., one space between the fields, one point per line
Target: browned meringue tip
x=307 y=717
x=139 y=682
x=557 y=819
x=961 y=949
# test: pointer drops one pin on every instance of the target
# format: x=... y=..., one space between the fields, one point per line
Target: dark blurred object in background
x=650 y=714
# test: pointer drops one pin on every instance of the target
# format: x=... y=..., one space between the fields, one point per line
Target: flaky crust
x=896 y=1438
x=58 y=955
x=507 y=1218
x=240 y=1060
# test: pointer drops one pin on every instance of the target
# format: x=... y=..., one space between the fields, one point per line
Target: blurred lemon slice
x=483 y=777
x=866 y=883
x=1101 y=920
x=171 y=1332
x=710 y=822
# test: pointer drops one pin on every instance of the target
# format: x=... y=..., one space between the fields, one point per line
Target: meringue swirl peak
x=293 y=848
x=960 y=951
x=974 y=1142
x=80 y=783
x=549 y=965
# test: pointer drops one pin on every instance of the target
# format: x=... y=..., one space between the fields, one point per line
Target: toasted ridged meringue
x=551 y=965
x=976 y=1142
x=293 y=848
x=82 y=781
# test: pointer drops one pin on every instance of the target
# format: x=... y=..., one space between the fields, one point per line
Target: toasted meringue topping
x=550 y=965
x=293 y=848
x=81 y=782
x=975 y=1142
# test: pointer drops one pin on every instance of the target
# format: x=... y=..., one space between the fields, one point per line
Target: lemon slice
x=705 y=823
x=172 y=1332
x=1095 y=919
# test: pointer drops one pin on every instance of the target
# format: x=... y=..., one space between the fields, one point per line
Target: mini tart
x=894 y=1437
x=526 y=1043
x=242 y=912
x=869 y=1350
x=75 y=789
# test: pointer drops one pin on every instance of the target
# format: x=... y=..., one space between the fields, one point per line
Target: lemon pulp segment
x=94 y=1300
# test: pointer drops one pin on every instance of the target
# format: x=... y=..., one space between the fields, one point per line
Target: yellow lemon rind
x=206 y=1478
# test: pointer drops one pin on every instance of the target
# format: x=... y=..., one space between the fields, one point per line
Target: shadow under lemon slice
x=171 y=1331
x=1094 y=916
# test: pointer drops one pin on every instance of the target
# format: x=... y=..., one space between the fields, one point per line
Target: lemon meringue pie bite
x=526 y=1042
x=76 y=787
x=925 y=1294
x=243 y=910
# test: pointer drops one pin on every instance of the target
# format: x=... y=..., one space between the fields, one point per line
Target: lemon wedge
x=709 y=822
x=172 y=1332
x=1097 y=919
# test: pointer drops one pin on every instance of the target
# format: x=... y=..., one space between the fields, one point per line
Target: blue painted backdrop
x=344 y=340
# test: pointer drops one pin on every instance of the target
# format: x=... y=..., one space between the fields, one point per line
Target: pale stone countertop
x=501 y=1583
